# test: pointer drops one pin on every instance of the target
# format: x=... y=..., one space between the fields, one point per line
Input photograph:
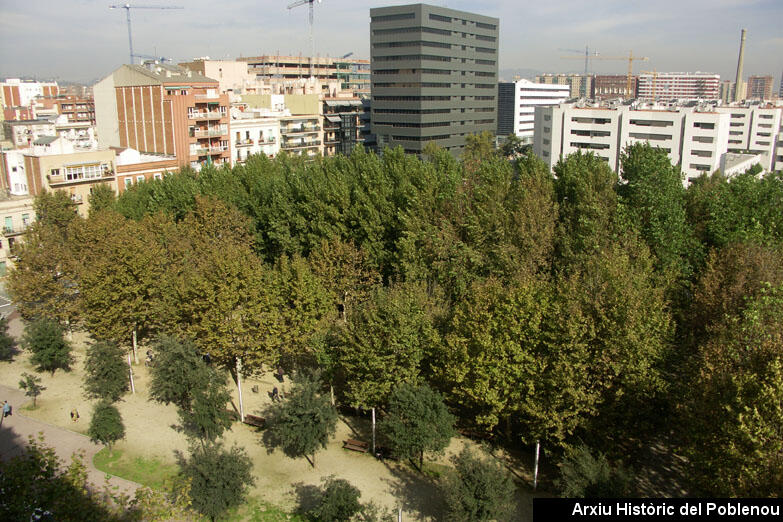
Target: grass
x=149 y=472
x=256 y=510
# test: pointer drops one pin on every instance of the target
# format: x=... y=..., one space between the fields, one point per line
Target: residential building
x=434 y=76
x=20 y=93
x=679 y=86
x=517 y=102
x=581 y=85
x=254 y=131
x=14 y=177
x=231 y=75
x=22 y=133
x=354 y=75
x=342 y=125
x=726 y=94
x=17 y=214
x=608 y=86
x=164 y=109
x=76 y=173
x=81 y=110
x=760 y=87
x=693 y=137
x=134 y=167
x=754 y=129
x=300 y=135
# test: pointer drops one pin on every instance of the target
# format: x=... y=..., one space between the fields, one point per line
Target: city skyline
x=677 y=36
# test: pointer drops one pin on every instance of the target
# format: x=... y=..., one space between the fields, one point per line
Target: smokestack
x=738 y=85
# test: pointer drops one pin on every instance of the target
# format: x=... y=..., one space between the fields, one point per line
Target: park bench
x=356 y=445
x=254 y=420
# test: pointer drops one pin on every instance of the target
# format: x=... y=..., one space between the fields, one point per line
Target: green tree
x=31 y=385
x=478 y=147
x=102 y=197
x=383 y=344
x=207 y=418
x=654 y=200
x=106 y=372
x=218 y=478
x=177 y=371
x=513 y=148
x=7 y=343
x=304 y=421
x=106 y=425
x=55 y=210
x=584 y=476
x=47 y=345
x=477 y=489
x=339 y=501
x=732 y=415
x=416 y=422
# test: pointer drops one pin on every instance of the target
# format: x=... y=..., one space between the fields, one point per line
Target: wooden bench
x=254 y=420
x=356 y=445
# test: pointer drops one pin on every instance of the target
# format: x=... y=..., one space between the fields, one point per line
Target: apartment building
x=754 y=129
x=342 y=125
x=300 y=135
x=13 y=180
x=581 y=85
x=136 y=167
x=254 y=131
x=17 y=214
x=434 y=75
x=517 y=102
x=164 y=109
x=679 y=86
x=694 y=138
x=22 y=133
x=608 y=86
x=20 y=93
x=354 y=75
x=77 y=110
x=760 y=87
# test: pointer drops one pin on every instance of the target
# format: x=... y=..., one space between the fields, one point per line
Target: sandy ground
x=279 y=479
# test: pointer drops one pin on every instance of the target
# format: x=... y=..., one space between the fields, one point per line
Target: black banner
x=659 y=509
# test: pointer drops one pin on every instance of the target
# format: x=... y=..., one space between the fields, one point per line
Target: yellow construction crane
x=631 y=58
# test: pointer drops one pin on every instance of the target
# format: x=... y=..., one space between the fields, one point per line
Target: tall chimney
x=738 y=85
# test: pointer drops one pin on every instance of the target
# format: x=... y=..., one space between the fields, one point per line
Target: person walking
x=75 y=415
x=6 y=412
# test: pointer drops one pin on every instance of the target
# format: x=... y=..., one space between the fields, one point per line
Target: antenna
x=127 y=8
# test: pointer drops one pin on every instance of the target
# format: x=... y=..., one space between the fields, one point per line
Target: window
x=158 y=175
x=440 y=18
x=140 y=178
x=55 y=172
x=394 y=17
x=703 y=125
x=128 y=182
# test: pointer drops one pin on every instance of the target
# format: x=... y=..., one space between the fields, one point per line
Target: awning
x=333 y=118
x=343 y=103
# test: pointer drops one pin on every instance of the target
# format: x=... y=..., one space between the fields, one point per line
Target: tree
x=7 y=343
x=50 y=351
x=178 y=370
x=106 y=425
x=102 y=197
x=512 y=147
x=207 y=417
x=304 y=420
x=31 y=386
x=339 y=501
x=477 y=489
x=106 y=372
x=584 y=476
x=417 y=421
x=55 y=210
x=478 y=147
x=219 y=479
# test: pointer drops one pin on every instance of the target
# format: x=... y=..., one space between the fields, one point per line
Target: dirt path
x=17 y=429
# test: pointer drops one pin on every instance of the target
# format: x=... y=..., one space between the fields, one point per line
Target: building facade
x=581 y=85
x=755 y=129
x=342 y=125
x=254 y=131
x=517 y=102
x=164 y=109
x=679 y=86
x=434 y=75
x=17 y=214
x=19 y=93
x=760 y=87
x=77 y=110
x=608 y=86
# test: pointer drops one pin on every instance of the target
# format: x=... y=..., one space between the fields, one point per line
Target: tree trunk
x=421 y=461
x=535 y=466
x=130 y=372
x=135 y=353
x=313 y=460
x=373 y=431
x=345 y=307
x=239 y=389
x=331 y=392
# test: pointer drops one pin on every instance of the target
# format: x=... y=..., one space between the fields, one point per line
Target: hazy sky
x=85 y=40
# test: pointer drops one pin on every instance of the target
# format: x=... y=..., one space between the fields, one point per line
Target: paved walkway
x=17 y=428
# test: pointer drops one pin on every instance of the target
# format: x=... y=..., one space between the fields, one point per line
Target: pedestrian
x=6 y=409
x=75 y=415
x=275 y=394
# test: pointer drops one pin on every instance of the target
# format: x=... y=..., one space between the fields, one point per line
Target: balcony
x=15 y=231
x=300 y=144
x=217 y=150
x=208 y=115
x=221 y=131
x=77 y=199
x=67 y=180
x=267 y=141
x=213 y=96
x=243 y=143
x=301 y=129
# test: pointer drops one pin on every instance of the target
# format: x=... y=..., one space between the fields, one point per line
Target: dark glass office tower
x=434 y=74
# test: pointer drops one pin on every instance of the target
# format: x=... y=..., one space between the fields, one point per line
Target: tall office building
x=760 y=87
x=434 y=74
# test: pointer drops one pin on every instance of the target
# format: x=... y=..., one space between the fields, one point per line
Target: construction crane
x=161 y=59
x=587 y=53
x=127 y=8
x=343 y=57
x=310 y=4
x=631 y=58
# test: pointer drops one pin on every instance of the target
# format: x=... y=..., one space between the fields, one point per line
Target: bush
x=477 y=489
x=339 y=501
x=50 y=351
x=585 y=476
x=7 y=348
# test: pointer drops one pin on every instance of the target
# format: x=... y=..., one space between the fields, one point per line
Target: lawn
x=149 y=472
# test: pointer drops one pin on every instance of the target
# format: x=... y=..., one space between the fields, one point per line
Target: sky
x=84 y=40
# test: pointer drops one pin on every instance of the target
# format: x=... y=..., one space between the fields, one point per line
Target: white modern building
x=694 y=137
x=517 y=102
x=755 y=129
x=679 y=86
x=255 y=131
